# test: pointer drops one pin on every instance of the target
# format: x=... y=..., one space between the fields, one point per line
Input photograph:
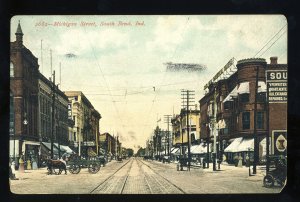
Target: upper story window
x=260 y=120
x=246 y=120
x=244 y=97
x=228 y=105
x=12 y=73
x=261 y=97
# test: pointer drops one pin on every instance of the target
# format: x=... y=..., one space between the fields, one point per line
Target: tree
x=129 y=152
x=140 y=152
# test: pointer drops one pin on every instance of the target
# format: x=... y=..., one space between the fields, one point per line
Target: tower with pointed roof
x=24 y=89
x=19 y=34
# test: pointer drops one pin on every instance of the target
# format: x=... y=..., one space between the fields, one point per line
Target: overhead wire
x=105 y=82
x=269 y=41
x=156 y=92
x=273 y=43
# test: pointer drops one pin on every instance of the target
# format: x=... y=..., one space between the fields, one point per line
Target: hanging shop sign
x=220 y=73
x=279 y=140
x=277 y=86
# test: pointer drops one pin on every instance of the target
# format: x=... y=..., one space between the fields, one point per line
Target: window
x=260 y=120
x=246 y=120
x=244 y=97
x=193 y=137
x=261 y=97
x=12 y=74
x=228 y=105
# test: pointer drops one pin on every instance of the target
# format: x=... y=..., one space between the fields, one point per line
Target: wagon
x=92 y=163
x=183 y=162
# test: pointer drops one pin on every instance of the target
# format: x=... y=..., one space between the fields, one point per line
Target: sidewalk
x=229 y=168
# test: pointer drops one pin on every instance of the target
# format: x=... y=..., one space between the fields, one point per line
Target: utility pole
x=42 y=55
x=167 y=120
x=58 y=133
x=213 y=127
x=51 y=60
x=256 y=156
x=53 y=112
x=268 y=130
x=186 y=99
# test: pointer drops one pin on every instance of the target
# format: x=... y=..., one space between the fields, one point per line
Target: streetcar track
x=170 y=183
x=111 y=176
x=126 y=179
x=147 y=182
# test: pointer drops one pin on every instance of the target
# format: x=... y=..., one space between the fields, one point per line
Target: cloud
x=83 y=42
x=132 y=135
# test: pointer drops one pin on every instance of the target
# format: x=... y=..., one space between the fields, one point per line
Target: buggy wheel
x=268 y=181
x=74 y=169
x=56 y=171
x=93 y=168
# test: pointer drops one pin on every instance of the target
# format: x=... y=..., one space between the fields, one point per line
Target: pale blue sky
x=116 y=60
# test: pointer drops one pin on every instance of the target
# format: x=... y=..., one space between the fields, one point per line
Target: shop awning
x=244 y=144
x=243 y=88
x=262 y=87
x=234 y=145
x=31 y=142
x=231 y=95
x=193 y=147
x=175 y=151
x=201 y=149
x=239 y=89
x=64 y=148
x=48 y=147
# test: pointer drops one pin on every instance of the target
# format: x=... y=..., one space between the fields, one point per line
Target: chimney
x=273 y=60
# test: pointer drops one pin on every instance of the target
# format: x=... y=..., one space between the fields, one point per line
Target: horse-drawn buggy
x=277 y=172
x=74 y=163
x=183 y=162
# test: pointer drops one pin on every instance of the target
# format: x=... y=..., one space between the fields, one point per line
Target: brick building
x=228 y=109
x=109 y=143
x=60 y=127
x=24 y=71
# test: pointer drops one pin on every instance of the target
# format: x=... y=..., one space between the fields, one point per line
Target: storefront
x=243 y=147
x=30 y=149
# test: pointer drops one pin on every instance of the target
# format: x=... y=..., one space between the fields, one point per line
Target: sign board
x=277 y=86
x=279 y=142
x=224 y=69
x=88 y=143
x=69 y=110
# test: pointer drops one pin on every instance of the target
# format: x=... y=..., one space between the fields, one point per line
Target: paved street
x=137 y=176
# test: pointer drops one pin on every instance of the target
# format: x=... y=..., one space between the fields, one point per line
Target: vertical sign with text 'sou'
x=277 y=86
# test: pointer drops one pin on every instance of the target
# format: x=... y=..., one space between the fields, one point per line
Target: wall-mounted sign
x=277 y=86
x=279 y=139
x=219 y=74
x=69 y=110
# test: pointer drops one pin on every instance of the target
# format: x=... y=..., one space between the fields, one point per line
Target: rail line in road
x=165 y=185
x=140 y=178
x=108 y=183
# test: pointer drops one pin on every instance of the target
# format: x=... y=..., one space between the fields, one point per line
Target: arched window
x=12 y=74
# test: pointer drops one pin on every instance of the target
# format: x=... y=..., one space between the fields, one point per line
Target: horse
x=52 y=164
